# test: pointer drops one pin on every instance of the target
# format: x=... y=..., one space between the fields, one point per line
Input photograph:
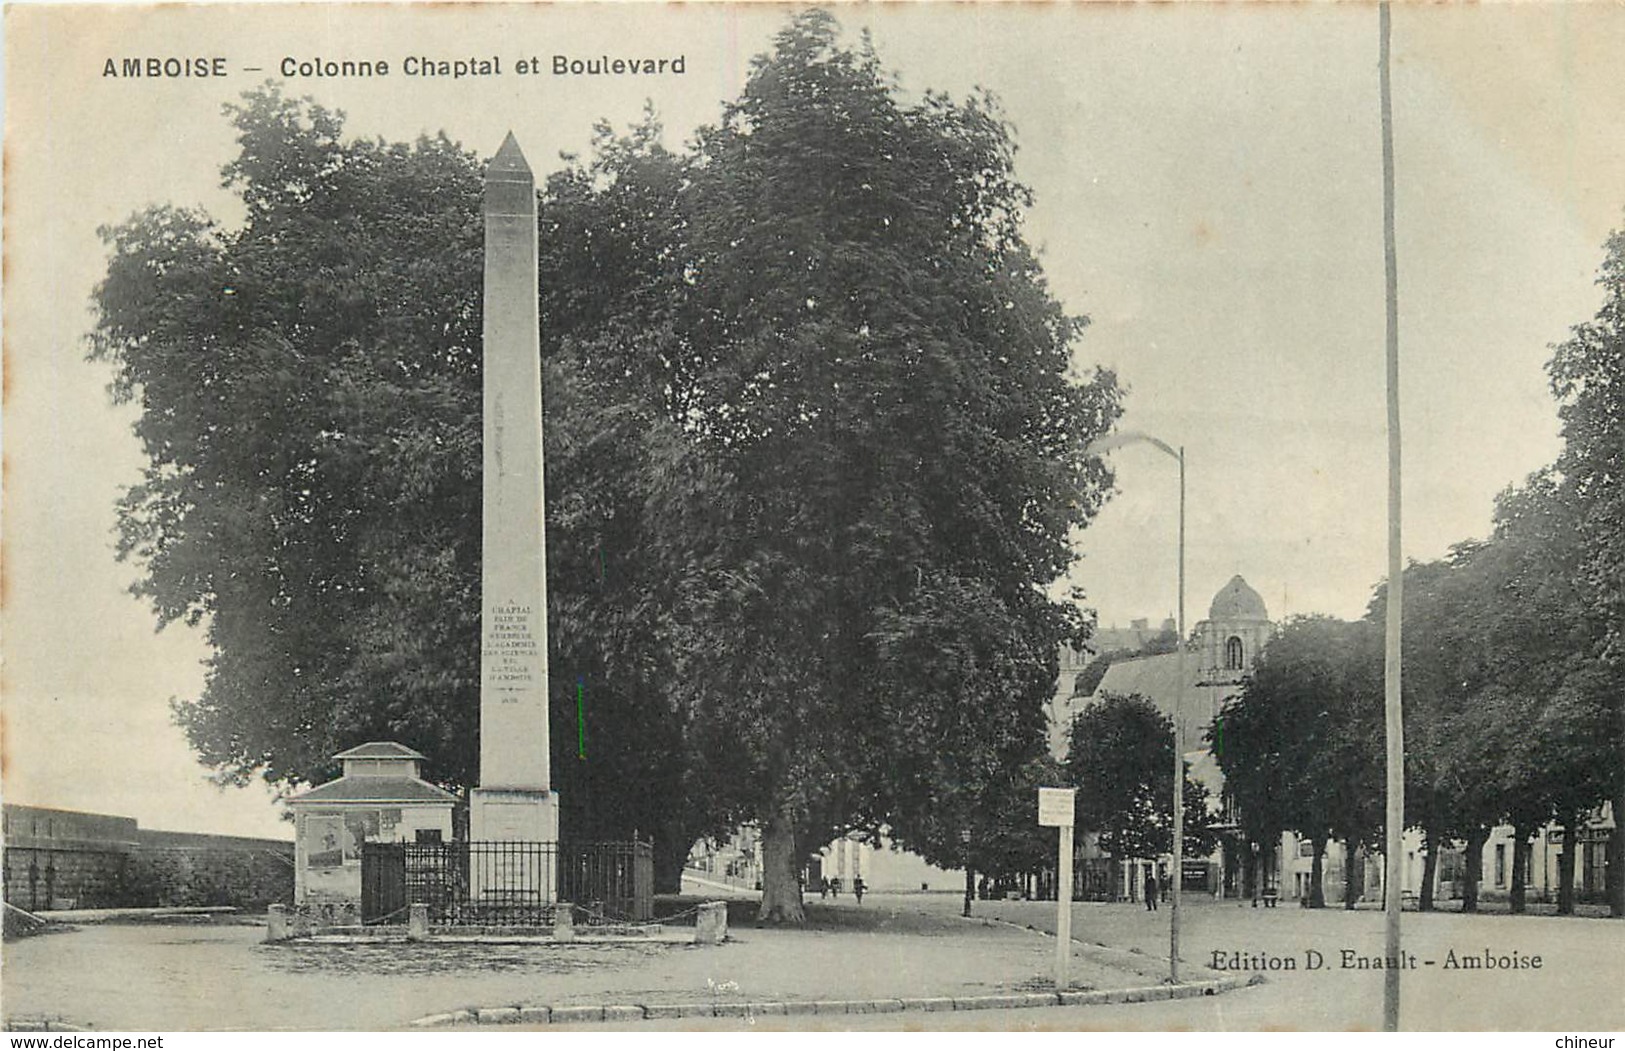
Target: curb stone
x=659 y=1011
x=39 y=1025
x=577 y=1013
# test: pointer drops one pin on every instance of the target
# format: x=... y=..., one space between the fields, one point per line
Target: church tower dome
x=1237 y=627
x=1237 y=601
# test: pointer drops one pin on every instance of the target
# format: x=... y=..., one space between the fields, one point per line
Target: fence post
x=417 y=922
x=276 y=923
x=711 y=925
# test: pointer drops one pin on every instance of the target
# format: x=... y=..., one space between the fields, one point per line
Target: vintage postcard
x=716 y=516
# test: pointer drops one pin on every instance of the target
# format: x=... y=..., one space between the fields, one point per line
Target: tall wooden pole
x=1063 y=911
x=1393 y=714
x=1178 y=874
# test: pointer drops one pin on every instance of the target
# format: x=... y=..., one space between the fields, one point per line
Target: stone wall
x=66 y=878
x=57 y=859
x=247 y=879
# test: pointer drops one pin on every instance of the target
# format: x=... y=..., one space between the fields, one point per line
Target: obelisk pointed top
x=509 y=161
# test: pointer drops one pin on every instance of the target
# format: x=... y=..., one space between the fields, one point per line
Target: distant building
x=882 y=865
x=1218 y=656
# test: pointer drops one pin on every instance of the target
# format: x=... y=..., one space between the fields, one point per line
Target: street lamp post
x=1177 y=877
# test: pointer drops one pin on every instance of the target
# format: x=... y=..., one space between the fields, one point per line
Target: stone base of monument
x=305 y=925
x=513 y=815
x=522 y=817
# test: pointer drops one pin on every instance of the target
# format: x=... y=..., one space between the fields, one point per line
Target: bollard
x=276 y=923
x=711 y=925
x=417 y=922
x=564 y=928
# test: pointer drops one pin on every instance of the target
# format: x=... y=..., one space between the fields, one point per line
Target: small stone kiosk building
x=381 y=798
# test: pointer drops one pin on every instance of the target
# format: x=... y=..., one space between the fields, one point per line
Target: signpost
x=1055 y=809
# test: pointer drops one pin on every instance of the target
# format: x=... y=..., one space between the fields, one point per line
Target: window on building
x=1500 y=864
x=1233 y=654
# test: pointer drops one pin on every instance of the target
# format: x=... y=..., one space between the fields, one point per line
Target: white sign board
x=1055 y=807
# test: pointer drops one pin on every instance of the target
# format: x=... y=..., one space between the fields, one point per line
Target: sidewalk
x=221 y=977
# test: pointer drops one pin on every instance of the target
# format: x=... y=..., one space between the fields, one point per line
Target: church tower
x=1230 y=639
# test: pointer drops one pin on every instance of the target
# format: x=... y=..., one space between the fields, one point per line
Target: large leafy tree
x=1301 y=741
x=1585 y=372
x=305 y=383
x=1120 y=754
x=1447 y=785
x=867 y=348
x=1457 y=747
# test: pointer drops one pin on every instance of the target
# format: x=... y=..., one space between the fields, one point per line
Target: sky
x=1208 y=192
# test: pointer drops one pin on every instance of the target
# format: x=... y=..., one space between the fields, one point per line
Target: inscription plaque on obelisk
x=514 y=800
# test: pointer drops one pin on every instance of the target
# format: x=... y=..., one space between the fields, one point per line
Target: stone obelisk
x=514 y=801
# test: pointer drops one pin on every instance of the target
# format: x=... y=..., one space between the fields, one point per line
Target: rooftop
x=375 y=790
x=381 y=750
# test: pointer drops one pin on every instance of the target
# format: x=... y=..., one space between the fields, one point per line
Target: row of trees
x=814 y=451
x=1514 y=666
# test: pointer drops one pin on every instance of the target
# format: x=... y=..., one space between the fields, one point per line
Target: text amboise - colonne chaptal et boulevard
x=183 y=67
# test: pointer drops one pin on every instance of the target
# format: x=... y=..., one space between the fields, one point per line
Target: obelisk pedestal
x=514 y=801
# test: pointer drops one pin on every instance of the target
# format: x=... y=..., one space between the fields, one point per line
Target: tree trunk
x=781 y=861
x=1520 y=867
x=1472 y=867
x=1566 y=866
x=1616 y=853
x=1317 y=868
x=671 y=852
x=1430 y=870
x=1353 y=873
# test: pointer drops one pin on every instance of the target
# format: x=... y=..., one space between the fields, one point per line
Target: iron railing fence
x=498 y=884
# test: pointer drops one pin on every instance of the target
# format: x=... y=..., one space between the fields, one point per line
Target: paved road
x=166 y=978
x=210 y=977
x=1579 y=987
x=1580 y=984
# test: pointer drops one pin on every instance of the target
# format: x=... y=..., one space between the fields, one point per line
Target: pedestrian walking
x=858 y=888
x=1151 y=890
